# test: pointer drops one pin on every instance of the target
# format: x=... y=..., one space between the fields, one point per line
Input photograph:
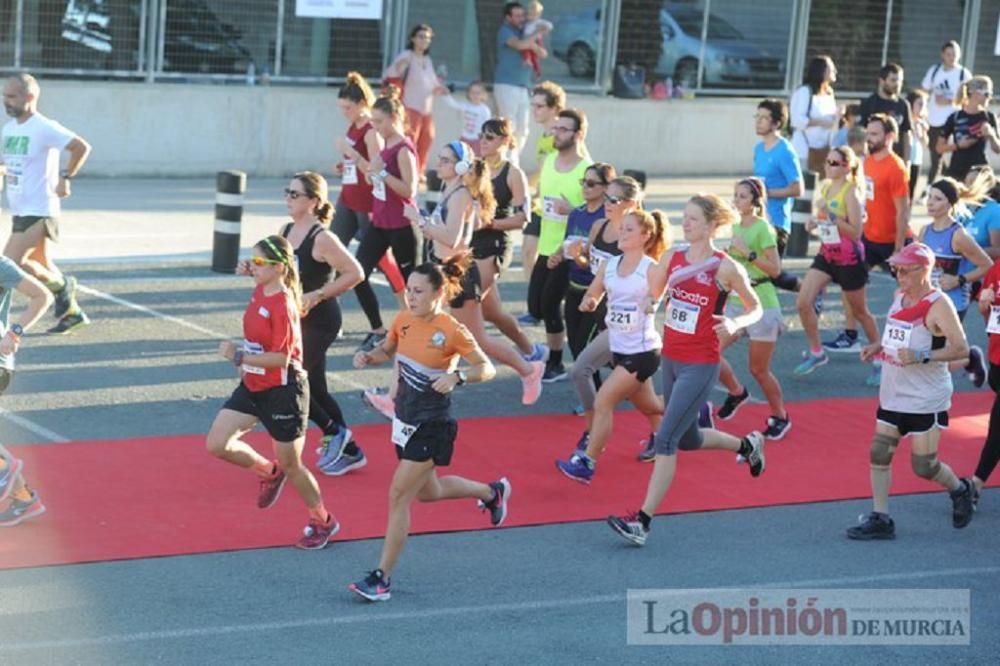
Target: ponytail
x=758 y=192
x=277 y=248
x=657 y=225
x=447 y=275
x=477 y=181
x=390 y=102
x=717 y=210
x=315 y=187
x=357 y=90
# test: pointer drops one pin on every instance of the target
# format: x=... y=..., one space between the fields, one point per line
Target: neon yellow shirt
x=553 y=186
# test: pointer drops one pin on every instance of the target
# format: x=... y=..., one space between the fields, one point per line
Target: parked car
x=730 y=59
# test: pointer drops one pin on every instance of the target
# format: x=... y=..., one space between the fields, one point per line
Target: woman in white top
x=814 y=113
x=635 y=343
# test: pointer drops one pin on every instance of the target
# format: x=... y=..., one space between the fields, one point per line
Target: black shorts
x=24 y=222
x=283 y=410
x=877 y=254
x=493 y=244
x=850 y=278
x=434 y=440
x=912 y=424
x=471 y=288
x=534 y=226
x=5 y=378
x=643 y=365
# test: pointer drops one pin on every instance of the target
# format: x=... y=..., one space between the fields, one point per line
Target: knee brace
x=882 y=449
x=925 y=466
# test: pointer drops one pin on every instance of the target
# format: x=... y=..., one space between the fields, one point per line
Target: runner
x=318 y=254
x=989 y=306
x=24 y=502
x=352 y=215
x=492 y=246
x=429 y=343
x=273 y=390
x=958 y=260
x=560 y=191
x=697 y=281
x=755 y=247
x=841 y=257
x=971 y=127
x=634 y=342
x=466 y=201
x=922 y=335
x=31 y=145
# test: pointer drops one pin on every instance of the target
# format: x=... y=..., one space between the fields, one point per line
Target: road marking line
x=41 y=431
x=460 y=611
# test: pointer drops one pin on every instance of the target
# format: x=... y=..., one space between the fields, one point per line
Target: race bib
x=623 y=318
x=682 y=317
x=402 y=432
x=897 y=334
x=250 y=349
x=993 y=325
x=350 y=175
x=378 y=189
x=597 y=259
x=13 y=178
x=549 y=209
x=829 y=234
x=936 y=273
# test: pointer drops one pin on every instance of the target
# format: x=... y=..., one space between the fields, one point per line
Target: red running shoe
x=316 y=535
x=270 y=490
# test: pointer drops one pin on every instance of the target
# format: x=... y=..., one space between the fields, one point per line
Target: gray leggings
x=594 y=356
x=686 y=387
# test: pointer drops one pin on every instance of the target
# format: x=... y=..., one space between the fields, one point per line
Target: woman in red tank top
x=697 y=281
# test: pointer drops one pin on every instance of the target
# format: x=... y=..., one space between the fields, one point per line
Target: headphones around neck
x=464 y=163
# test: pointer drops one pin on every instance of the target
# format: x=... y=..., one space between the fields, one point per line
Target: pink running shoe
x=533 y=383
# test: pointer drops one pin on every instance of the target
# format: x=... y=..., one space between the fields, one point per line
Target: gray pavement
x=550 y=594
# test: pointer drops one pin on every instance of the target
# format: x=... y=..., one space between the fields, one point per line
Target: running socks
x=644 y=519
x=555 y=357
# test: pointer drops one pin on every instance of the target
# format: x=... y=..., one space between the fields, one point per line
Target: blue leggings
x=686 y=387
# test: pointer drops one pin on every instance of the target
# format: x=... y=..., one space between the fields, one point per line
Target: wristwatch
x=17 y=330
x=462 y=378
x=752 y=257
x=382 y=174
x=238 y=357
x=962 y=280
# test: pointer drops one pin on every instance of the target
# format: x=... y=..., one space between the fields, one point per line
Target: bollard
x=229 y=189
x=798 y=242
x=640 y=177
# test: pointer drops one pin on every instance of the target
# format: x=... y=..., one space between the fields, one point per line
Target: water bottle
x=251 y=74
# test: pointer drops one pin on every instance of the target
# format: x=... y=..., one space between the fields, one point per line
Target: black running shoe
x=554 y=373
x=962 y=504
x=732 y=404
x=976 y=368
x=69 y=323
x=373 y=587
x=371 y=341
x=498 y=505
x=777 y=428
x=756 y=458
x=630 y=528
x=65 y=298
x=873 y=526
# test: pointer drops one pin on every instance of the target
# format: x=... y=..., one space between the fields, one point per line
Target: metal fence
x=710 y=46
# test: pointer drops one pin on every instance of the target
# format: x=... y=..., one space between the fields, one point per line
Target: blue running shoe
x=10 y=472
x=705 y=418
x=581 y=446
x=373 y=587
x=648 y=453
x=498 y=505
x=818 y=303
x=333 y=446
x=539 y=352
x=19 y=511
x=843 y=344
x=579 y=468
x=345 y=463
x=528 y=320
x=810 y=362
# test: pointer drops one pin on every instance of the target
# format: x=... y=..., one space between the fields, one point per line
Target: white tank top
x=922 y=388
x=630 y=329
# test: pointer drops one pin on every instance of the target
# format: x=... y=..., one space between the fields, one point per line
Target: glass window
x=330 y=47
x=986 y=61
x=218 y=37
x=915 y=42
x=78 y=34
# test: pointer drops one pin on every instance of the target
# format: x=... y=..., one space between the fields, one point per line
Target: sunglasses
x=294 y=194
x=611 y=199
x=835 y=163
x=486 y=136
x=586 y=182
x=261 y=261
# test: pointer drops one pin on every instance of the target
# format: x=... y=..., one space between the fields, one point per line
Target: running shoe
x=962 y=506
x=345 y=463
x=270 y=490
x=331 y=446
x=630 y=528
x=975 y=496
x=875 y=377
x=581 y=446
x=378 y=399
x=316 y=535
x=818 y=303
x=539 y=352
x=531 y=386
x=9 y=475
x=578 y=467
x=18 y=511
x=648 y=453
x=65 y=298
x=732 y=403
x=373 y=587
x=371 y=341
x=69 y=323
x=873 y=526
x=843 y=344
x=975 y=370
x=528 y=320
x=705 y=418
x=810 y=363
x=579 y=410
x=777 y=428
x=498 y=505
x=554 y=373
x=756 y=456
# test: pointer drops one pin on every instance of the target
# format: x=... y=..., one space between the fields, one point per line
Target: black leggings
x=374 y=244
x=990 y=454
x=582 y=327
x=785 y=280
x=546 y=290
x=319 y=330
x=914 y=177
x=348 y=224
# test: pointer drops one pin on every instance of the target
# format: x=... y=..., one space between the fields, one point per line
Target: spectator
x=414 y=67
x=814 y=114
x=850 y=120
x=512 y=79
x=941 y=83
x=972 y=127
x=535 y=28
x=475 y=112
x=886 y=100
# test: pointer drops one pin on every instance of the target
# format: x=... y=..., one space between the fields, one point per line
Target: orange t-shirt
x=885 y=179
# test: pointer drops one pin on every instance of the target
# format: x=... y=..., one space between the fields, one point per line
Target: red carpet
x=158 y=496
